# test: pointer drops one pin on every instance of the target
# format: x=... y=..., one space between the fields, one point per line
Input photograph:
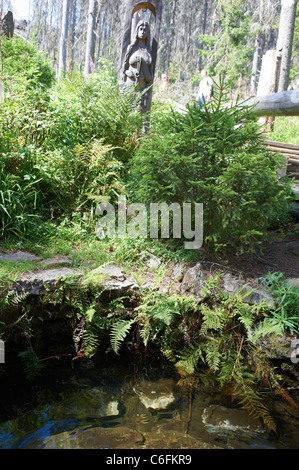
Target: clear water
x=131 y=402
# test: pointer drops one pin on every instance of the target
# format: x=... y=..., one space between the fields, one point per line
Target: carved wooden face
x=143 y=31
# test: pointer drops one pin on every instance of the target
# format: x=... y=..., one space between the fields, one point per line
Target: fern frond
x=118 y=333
x=169 y=354
x=243 y=386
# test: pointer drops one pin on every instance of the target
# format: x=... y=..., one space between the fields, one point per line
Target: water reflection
x=132 y=405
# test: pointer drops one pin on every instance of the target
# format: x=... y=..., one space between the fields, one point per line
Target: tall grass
x=286 y=129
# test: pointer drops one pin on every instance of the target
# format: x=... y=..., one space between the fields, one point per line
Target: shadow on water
x=125 y=402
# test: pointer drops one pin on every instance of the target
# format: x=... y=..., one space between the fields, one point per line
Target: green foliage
x=18 y=204
x=62 y=149
x=158 y=314
x=285 y=315
x=229 y=51
x=31 y=364
x=223 y=346
x=286 y=129
x=118 y=332
x=212 y=155
x=24 y=65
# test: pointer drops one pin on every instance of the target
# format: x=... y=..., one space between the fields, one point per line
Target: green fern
x=243 y=388
x=118 y=332
x=32 y=366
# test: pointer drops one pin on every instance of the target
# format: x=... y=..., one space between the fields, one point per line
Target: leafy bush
x=212 y=155
x=69 y=142
x=23 y=63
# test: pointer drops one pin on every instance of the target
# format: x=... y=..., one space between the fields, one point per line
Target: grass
x=88 y=252
x=286 y=129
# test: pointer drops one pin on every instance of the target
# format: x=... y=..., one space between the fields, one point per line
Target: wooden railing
x=291 y=153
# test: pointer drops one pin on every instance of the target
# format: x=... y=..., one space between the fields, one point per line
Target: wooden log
x=284 y=145
x=285 y=103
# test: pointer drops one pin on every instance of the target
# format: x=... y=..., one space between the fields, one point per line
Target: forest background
x=224 y=36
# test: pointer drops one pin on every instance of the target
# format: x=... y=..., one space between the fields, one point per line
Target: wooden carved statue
x=7 y=25
x=139 y=49
x=137 y=67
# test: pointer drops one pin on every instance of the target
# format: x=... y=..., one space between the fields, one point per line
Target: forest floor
x=278 y=254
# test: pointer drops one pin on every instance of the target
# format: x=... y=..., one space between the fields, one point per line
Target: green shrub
x=212 y=155
x=21 y=62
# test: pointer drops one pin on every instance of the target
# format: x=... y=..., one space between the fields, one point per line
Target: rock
x=153 y=261
x=293 y=282
x=112 y=270
x=178 y=272
x=193 y=281
x=218 y=418
x=157 y=395
x=56 y=262
x=95 y=438
x=232 y=285
x=18 y=256
x=257 y=296
x=113 y=289
x=279 y=347
x=34 y=283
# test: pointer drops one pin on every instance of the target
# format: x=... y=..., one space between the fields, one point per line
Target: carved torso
x=139 y=67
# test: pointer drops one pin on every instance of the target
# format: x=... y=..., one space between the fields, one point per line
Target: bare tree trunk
x=63 y=38
x=254 y=70
x=203 y=31
x=90 y=43
x=285 y=40
x=172 y=33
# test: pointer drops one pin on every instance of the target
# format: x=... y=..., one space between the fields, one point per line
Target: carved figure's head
x=143 y=32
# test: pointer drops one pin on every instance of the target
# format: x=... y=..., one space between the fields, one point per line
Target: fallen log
x=285 y=103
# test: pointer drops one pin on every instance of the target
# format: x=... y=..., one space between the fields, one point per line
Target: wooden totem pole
x=139 y=47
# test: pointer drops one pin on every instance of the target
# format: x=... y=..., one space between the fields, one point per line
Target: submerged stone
x=157 y=395
x=174 y=440
x=218 y=418
x=95 y=438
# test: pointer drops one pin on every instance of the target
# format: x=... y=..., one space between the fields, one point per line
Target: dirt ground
x=280 y=254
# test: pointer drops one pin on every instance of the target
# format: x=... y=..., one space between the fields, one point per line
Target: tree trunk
x=63 y=38
x=72 y=32
x=172 y=33
x=285 y=40
x=255 y=67
x=90 y=43
x=203 y=31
